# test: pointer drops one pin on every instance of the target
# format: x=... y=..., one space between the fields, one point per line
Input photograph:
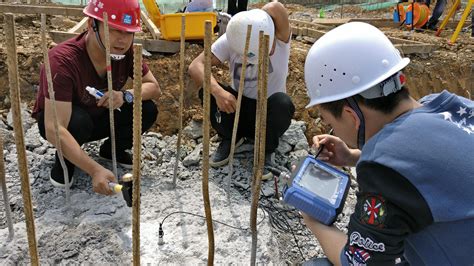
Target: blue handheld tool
x=317 y=189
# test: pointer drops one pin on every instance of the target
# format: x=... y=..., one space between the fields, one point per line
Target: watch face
x=128 y=97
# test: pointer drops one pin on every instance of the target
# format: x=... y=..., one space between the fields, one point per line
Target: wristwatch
x=127 y=97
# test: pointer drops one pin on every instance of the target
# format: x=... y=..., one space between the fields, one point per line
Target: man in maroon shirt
x=80 y=62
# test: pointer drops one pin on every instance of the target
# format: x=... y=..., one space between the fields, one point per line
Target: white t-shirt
x=277 y=68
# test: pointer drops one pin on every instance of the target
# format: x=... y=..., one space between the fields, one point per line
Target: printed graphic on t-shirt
x=373 y=212
x=357 y=256
x=251 y=75
x=463 y=119
x=365 y=242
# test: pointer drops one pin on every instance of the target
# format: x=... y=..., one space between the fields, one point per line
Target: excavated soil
x=449 y=67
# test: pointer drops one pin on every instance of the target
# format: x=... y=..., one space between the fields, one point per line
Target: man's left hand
x=117 y=103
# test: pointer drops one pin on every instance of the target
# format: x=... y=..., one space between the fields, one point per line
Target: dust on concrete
x=97 y=229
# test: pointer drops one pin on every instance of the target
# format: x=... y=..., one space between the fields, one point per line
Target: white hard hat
x=349 y=60
x=237 y=31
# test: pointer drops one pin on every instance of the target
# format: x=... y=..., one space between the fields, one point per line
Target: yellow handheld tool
x=126 y=187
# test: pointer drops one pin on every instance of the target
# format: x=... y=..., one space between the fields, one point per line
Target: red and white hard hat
x=352 y=59
x=123 y=14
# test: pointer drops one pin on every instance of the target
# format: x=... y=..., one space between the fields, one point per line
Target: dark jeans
x=437 y=12
x=236 y=6
x=85 y=128
x=280 y=110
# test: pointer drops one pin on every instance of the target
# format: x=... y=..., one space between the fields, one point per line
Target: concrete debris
x=97 y=229
x=27 y=120
x=193 y=130
x=194 y=157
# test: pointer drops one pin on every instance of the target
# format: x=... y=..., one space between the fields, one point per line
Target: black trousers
x=280 y=111
x=85 y=128
x=236 y=6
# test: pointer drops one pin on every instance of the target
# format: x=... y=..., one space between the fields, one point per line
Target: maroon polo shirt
x=72 y=70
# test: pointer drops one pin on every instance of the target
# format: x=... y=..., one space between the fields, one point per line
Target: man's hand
x=335 y=151
x=118 y=100
x=101 y=180
x=225 y=100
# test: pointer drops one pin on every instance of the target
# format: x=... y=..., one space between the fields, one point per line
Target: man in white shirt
x=273 y=19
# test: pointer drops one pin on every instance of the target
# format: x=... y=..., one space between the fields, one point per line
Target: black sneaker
x=221 y=154
x=56 y=176
x=124 y=158
x=266 y=174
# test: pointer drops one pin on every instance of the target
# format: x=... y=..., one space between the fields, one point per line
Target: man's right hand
x=225 y=100
x=335 y=151
x=101 y=180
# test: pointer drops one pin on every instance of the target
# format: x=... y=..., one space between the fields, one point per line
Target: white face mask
x=117 y=57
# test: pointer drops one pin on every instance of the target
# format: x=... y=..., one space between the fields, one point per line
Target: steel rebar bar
x=137 y=144
x=6 y=200
x=111 y=93
x=237 y=107
x=52 y=98
x=12 y=62
x=205 y=151
x=181 y=97
x=262 y=114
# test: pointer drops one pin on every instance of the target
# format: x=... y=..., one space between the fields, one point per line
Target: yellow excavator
x=170 y=24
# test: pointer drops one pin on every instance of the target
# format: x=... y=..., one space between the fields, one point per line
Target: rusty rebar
x=137 y=143
x=258 y=104
x=12 y=62
x=6 y=200
x=237 y=107
x=262 y=115
x=52 y=97
x=111 y=92
x=181 y=97
x=205 y=140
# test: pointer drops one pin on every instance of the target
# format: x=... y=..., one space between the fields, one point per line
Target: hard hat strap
x=95 y=27
x=361 y=132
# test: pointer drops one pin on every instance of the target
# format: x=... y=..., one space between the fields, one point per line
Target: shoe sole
x=59 y=185
x=127 y=166
x=226 y=160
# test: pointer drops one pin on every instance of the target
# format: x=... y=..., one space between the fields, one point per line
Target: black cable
x=214 y=221
x=279 y=220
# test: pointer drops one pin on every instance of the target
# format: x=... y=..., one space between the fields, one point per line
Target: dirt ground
x=449 y=67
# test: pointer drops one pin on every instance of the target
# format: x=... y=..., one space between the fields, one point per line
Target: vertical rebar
x=262 y=117
x=137 y=143
x=181 y=97
x=205 y=140
x=6 y=200
x=342 y=8
x=52 y=97
x=12 y=62
x=470 y=86
x=257 y=118
x=237 y=108
x=111 y=92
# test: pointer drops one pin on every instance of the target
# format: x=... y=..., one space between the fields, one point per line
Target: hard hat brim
x=320 y=100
